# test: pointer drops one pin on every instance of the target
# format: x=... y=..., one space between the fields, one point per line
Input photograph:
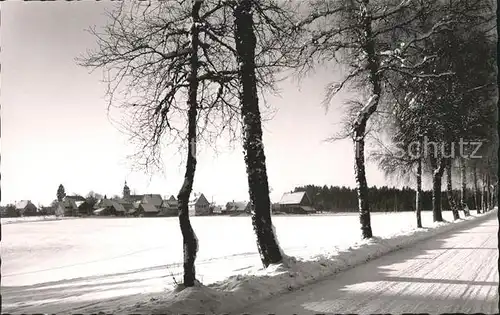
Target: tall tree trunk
x=498 y=122
x=449 y=192
x=437 y=175
x=477 y=199
x=483 y=195
x=488 y=191
x=255 y=160
x=493 y=192
x=418 y=198
x=359 y=126
x=463 y=191
x=362 y=188
x=190 y=241
x=484 y=192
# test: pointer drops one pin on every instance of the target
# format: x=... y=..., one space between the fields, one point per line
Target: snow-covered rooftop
x=149 y=207
x=195 y=201
x=79 y=203
x=292 y=198
x=154 y=199
x=22 y=204
x=237 y=205
x=97 y=211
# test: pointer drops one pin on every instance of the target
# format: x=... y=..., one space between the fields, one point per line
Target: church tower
x=126 y=191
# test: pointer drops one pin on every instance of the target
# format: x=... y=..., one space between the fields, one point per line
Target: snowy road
x=455 y=272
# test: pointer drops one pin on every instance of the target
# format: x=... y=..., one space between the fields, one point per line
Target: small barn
x=296 y=202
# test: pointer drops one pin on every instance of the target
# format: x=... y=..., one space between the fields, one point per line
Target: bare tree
x=463 y=186
x=477 y=193
x=263 y=33
x=403 y=158
x=145 y=51
x=445 y=113
x=190 y=242
x=157 y=54
x=418 y=194
x=402 y=168
x=374 y=39
x=449 y=190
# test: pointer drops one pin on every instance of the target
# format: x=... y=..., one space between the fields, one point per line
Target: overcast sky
x=56 y=129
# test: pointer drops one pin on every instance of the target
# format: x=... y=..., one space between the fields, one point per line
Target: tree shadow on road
x=413 y=280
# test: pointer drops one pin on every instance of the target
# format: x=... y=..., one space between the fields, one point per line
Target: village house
x=296 y=202
x=26 y=208
x=71 y=203
x=199 y=206
x=135 y=207
x=152 y=199
x=148 y=206
x=130 y=207
x=215 y=209
x=84 y=207
x=147 y=210
x=110 y=207
x=238 y=207
x=169 y=207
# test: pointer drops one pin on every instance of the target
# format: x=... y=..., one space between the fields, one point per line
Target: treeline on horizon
x=382 y=199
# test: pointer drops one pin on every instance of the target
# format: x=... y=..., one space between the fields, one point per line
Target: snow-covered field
x=54 y=266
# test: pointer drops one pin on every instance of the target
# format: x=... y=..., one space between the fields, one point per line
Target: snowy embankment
x=32 y=219
x=255 y=285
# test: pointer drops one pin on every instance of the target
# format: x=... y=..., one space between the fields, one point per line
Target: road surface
x=455 y=272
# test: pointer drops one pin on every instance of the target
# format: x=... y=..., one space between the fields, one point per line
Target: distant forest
x=382 y=199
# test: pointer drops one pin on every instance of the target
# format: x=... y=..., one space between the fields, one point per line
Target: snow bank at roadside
x=31 y=219
x=239 y=291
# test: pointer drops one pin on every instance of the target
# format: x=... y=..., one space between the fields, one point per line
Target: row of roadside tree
x=186 y=73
